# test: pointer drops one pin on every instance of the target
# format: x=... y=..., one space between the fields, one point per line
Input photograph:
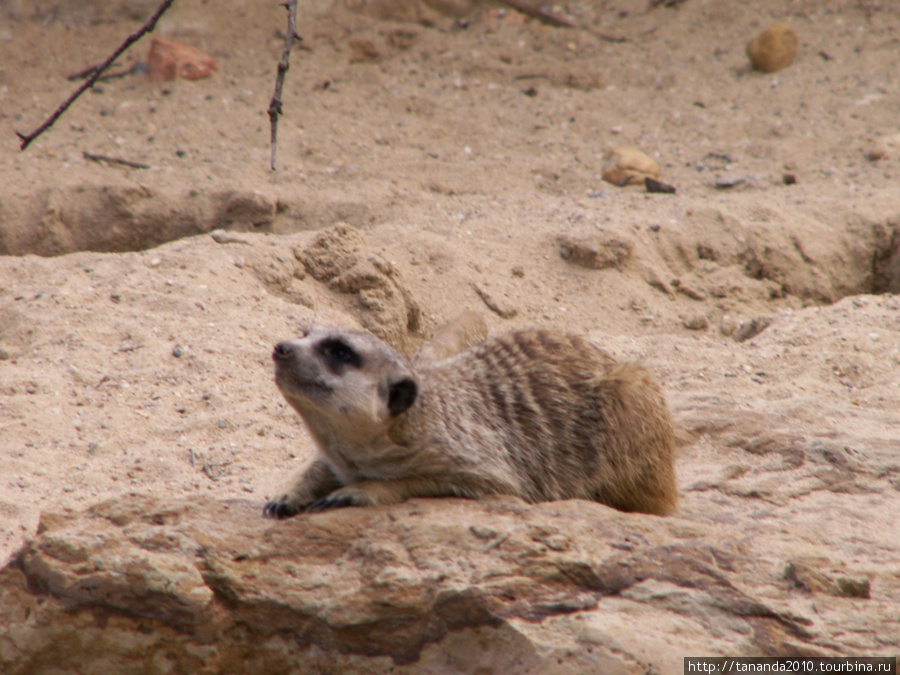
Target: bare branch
x=114 y=160
x=275 y=106
x=130 y=40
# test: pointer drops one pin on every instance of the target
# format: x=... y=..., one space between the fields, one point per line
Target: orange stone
x=773 y=49
x=169 y=60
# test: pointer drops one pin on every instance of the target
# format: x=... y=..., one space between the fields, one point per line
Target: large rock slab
x=146 y=585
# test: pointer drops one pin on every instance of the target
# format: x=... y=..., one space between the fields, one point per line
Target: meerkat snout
x=282 y=351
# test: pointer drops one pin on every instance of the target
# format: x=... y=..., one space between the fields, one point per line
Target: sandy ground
x=462 y=151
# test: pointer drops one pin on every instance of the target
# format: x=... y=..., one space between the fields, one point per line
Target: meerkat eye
x=339 y=353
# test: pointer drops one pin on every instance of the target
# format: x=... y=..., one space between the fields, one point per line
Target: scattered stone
x=402 y=38
x=170 y=60
x=659 y=187
x=773 y=49
x=750 y=329
x=807 y=575
x=628 y=166
x=727 y=182
x=885 y=147
x=595 y=251
x=688 y=290
x=223 y=237
x=248 y=209
x=502 y=309
x=789 y=178
x=575 y=77
x=696 y=322
x=177 y=352
x=659 y=285
x=854 y=588
x=363 y=50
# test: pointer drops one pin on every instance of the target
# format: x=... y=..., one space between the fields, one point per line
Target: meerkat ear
x=401 y=395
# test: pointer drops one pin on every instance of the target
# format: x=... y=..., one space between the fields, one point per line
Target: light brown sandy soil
x=460 y=184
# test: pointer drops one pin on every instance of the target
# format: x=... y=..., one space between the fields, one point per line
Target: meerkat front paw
x=328 y=503
x=282 y=506
x=351 y=495
x=308 y=485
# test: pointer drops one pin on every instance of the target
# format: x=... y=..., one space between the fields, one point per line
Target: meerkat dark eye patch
x=338 y=354
x=401 y=396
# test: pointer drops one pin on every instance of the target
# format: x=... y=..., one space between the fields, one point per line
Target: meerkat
x=540 y=414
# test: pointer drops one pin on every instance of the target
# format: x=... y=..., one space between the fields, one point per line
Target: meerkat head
x=337 y=378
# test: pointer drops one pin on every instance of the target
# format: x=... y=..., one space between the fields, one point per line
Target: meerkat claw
x=279 y=510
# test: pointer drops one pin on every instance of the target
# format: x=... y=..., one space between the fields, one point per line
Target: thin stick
x=114 y=160
x=275 y=106
x=138 y=67
x=130 y=40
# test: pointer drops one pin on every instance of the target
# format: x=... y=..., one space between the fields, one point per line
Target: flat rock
x=200 y=585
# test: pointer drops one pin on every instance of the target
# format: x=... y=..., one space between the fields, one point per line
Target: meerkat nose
x=282 y=351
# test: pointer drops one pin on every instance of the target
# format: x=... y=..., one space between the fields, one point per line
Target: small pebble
x=628 y=166
x=658 y=186
x=729 y=182
x=773 y=49
x=177 y=352
x=595 y=251
x=696 y=322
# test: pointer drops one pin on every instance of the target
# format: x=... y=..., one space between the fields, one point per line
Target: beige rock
x=363 y=50
x=595 y=251
x=248 y=210
x=628 y=166
x=884 y=148
x=773 y=49
x=696 y=322
x=170 y=60
x=201 y=584
x=340 y=258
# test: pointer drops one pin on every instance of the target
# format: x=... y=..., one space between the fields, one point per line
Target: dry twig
x=114 y=160
x=130 y=40
x=137 y=67
x=275 y=106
